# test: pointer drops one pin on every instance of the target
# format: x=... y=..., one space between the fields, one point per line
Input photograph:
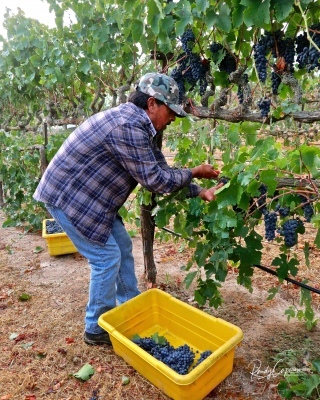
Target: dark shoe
x=97 y=339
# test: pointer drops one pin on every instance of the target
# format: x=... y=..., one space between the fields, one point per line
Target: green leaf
x=237 y=15
x=256 y=13
x=273 y=292
x=159 y=339
x=282 y=8
x=183 y=12
x=310 y=155
x=269 y=178
x=285 y=266
x=38 y=249
x=317 y=239
x=189 y=278
x=125 y=380
x=202 y=5
x=284 y=390
x=84 y=66
x=84 y=373
x=223 y=21
x=24 y=297
x=290 y=312
x=306 y=251
x=250 y=130
x=233 y=134
x=316 y=365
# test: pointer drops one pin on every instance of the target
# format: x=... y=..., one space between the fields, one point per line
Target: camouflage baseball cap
x=163 y=88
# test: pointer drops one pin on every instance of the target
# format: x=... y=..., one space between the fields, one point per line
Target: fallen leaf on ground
x=84 y=373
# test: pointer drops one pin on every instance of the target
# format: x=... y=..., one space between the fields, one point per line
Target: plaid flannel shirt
x=99 y=165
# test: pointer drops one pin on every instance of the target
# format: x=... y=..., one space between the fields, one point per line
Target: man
x=92 y=175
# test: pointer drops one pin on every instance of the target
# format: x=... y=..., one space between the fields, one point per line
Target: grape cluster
x=53 y=227
x=270 y=223
x=228 y=63
x=308 y=56
x=191 y=68
x=307 y=208
x=188 y=41
x=262 y=198
x=289 y=231
x=285 y=48
x=314 y=54
x=204 y=355
x=240 y=93
x=302 y=49
x=223 y=179
x=275 y=82
x=282 y=210
x=264 y=106
x=279 y=47
x=179 y=359
x=260 y=51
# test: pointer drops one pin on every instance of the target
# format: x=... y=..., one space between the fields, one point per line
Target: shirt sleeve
x=137 y=153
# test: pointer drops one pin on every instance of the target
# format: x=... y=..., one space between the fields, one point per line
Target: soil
x=41 y=337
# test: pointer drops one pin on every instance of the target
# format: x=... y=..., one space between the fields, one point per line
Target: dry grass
x=40 y=362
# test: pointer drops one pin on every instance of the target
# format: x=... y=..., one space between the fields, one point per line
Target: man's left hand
x=209 y=194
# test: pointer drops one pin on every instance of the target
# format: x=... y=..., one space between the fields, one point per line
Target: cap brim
x=178 y=110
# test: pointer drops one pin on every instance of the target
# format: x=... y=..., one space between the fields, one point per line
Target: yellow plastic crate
x=155 y=311
x=58 y=243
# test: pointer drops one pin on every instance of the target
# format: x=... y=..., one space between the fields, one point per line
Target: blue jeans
x=112 y=278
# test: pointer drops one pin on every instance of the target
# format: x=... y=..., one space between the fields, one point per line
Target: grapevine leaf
x=189 y=278
x=317 y=239
x=285 y=266
x=158 y=338
x=155 y=14
x=273 y=292
x=210 y=18
x=312 y=383
x=306 y=250
x=84 y=373
x=282 y=8
x=284 y=390
x=199 y=298
x=269 y=178
x=310 y=157
x=38 y=249
x=233 y=134
x=202 y=5
x=24 y=297
x=300 y=389
x=316 y=365
x=183 y=11
x=224 y=21
x=137 y=30
x=237 y=15
x=125 y=380
x=250 y=131
x=290 y=312
x=256 y=12
x=84 y=65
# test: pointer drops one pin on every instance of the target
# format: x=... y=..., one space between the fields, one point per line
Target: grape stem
x=297 y=3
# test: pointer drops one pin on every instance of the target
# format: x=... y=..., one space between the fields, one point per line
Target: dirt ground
x=41 y=344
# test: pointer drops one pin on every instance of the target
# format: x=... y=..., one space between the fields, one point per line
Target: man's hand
x=208 y=194
x=204 y=171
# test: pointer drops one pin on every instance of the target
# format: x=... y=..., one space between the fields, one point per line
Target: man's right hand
x=204 y=171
